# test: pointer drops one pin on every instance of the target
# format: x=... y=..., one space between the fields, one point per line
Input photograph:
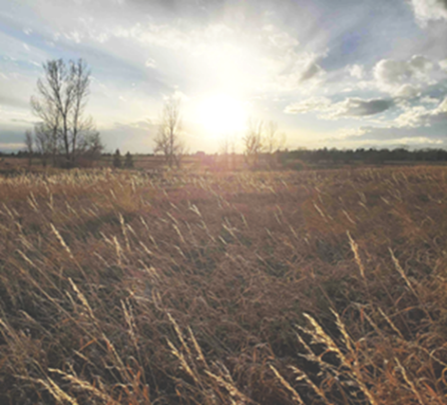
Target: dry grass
x=251 y=288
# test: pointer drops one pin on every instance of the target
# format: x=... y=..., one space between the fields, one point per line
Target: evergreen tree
x=128 y=162
x=117 y=159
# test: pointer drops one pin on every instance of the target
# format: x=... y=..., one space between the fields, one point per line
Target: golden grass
x=318 y=287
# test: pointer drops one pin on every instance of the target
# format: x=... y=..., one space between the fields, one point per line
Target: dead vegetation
x=321 y=287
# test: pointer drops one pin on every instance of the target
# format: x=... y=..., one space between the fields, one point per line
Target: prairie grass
x=317 y=287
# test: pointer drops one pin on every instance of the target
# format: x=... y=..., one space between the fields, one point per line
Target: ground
x=312 y=287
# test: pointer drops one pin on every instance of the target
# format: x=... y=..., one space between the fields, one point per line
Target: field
x=311 y=287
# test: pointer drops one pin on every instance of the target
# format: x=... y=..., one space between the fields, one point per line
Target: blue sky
x=336 y=74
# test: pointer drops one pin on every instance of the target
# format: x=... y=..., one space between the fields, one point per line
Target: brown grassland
x=312 y=287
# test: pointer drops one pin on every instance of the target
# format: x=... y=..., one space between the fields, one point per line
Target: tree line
x=371 y=155
x=67 y=137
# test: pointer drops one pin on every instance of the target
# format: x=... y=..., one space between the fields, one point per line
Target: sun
x=222 y=114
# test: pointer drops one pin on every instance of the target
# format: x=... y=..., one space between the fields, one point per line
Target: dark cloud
x=350 y=107
x=311 y=70
x=357 y=107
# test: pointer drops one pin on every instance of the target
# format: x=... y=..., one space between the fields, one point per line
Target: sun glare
x=222 y=115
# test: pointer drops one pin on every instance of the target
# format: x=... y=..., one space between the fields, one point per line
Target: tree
x=29 y=146
x=261 y=138
x=128 y=162
x=168 y=140
x=227 y=149
x=253 y=141
x=273 y=141
x=60 y=104
x=91 y=146
x=44 y=142
x=117 y=159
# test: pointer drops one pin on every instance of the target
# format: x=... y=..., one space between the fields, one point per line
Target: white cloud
x=406 y=91
x=443 y=64
x=150 y=63
x=426 y=10
x=310 y=105
x=392 y=75
x=389 y=72
x=420 y=64
x=74 y=36
x=410 y=141
x=442 y=108
x=11 y=146
x=270 y=59
x=412 y=117
x=419 y=116
x=429 y=100
x=357 y=71
x=345 y=133
x=278 y=39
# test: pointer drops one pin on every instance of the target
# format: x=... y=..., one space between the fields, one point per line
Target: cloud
x=412 y=117
x=311 y=70
x=409 y=79
x=420 y=64
x=389 y=137
x=407 y=91
x=24 y=121
x=390 y=74
x=310 y=105
x=299 y=71
x=150 y=63
x=356 y=107
x=11 y=146
x=13 y=101
x=429 y=100
x=419 y=116
x=357 y=71
x=277 y=39
x=426 y=10
x=350 y=107
x=345 y=133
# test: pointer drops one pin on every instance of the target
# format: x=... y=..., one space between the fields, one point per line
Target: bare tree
x=253 y=141
x=168 y=140
x=60 y=104
x=273 y=141
x=44 y=142
x=29 y=146
x=90 y=147
x=224 y=151
x=227 y=149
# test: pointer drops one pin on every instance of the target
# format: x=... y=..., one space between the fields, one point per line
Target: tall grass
x=323 y=287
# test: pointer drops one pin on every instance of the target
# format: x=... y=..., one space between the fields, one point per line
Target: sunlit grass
x=317 y=287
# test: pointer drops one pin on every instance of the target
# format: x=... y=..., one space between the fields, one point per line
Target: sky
x=344 y=74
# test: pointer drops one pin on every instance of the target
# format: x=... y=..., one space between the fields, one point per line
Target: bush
x=117 y=159
x=128 y=162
